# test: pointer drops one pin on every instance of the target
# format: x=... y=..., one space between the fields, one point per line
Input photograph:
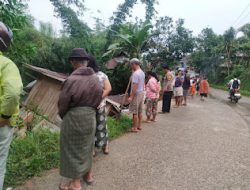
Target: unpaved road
x=204 y=146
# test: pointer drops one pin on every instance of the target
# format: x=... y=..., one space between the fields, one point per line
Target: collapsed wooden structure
x=44 y=94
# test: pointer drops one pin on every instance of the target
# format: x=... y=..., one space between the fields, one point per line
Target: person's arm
x=107 y=88
x=11 y=85
x=134 y=89
x=64 y=99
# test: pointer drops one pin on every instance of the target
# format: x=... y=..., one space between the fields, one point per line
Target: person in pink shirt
x=153 y=88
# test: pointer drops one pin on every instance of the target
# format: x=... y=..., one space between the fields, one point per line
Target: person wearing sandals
x=80 y=96
x=101 y=135
x=136 y=98
x=153 y=89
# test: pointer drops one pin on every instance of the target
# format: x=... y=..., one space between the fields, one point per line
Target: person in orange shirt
x=204 y=86
x=193 y=89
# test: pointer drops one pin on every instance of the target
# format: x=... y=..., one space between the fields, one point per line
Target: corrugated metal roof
x=51 y=74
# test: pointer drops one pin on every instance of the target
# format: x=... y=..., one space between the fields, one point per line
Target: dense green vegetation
x=39 y=151
x=222 y=57
x=155 y=40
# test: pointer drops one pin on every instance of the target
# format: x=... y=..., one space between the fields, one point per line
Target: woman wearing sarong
x=101 y=135
x=81 y=95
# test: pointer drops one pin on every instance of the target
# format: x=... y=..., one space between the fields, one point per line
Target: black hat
x=165 y=66
x=79 y=53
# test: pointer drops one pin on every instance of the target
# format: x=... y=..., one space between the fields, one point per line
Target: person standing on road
x=186 y=88
x=81 y=95
x=178 y=90
x=204 y=88
x=193 y=89
x=10 y=90
x=137 y=94
x=101 y=135
x=168 y=82
x=153 y=89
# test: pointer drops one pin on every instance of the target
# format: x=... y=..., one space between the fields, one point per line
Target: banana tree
x=132 y=39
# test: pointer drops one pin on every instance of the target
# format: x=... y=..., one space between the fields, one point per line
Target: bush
x=245 y=80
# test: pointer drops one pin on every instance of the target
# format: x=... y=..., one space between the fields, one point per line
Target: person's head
x=166 y=68
x=135 y=64
x=78 y=58
x=6 y=36
x=92 y=64
x=153 y=74
x=235 y=76
x=179 y=73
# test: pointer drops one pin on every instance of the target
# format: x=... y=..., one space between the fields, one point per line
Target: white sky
x=198 y=14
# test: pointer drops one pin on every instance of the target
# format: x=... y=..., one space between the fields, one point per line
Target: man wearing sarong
x=81 y=95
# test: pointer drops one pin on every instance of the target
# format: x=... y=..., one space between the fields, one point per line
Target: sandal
x=133 y=130
x=139 y=128
x=89 y=182
x=68 y=187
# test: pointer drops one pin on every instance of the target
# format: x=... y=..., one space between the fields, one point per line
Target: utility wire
x=241 y=14
x=240 y=21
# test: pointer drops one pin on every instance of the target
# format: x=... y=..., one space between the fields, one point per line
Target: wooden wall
x=44 y=97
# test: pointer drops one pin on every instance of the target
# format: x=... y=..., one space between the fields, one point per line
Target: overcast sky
x=198 y=14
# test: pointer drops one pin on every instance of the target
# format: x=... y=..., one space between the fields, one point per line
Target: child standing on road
x=193 y=89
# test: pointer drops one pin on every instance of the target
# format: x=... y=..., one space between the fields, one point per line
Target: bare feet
x=105 y=149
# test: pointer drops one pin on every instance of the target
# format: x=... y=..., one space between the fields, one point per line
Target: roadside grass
x=118 y=127
x=39 y=151
x=221 y=87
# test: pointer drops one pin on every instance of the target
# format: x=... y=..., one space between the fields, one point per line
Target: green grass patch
x=31 y=155
x=118 y=127
x=221 y=87
x=39 y=151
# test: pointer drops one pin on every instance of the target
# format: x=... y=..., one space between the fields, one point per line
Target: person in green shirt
x=10 y=90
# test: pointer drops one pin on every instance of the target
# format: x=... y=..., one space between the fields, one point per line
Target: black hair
x=153 y=74
x=77 y=59
x=92 y=64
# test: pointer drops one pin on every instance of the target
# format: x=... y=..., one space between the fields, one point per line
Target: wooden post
x=126 y=93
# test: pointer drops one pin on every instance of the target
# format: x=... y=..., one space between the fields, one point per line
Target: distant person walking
x=168 y=84
x=186 y=87
x=204 y=88
x=81 y=95
x=153 y=89
x=10 y=90
x=137 y=94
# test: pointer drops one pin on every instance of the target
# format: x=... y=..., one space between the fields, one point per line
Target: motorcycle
x=235 y=96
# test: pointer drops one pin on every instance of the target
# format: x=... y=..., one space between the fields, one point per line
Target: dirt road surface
x=204 y=146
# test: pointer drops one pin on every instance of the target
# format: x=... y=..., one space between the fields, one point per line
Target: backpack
x=235 y=84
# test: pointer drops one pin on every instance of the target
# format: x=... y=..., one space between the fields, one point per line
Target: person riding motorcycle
x=234 y=86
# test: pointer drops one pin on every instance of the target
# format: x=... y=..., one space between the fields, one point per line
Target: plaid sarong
x=76 y=142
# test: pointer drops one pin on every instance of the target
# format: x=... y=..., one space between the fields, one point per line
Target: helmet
x=5 y=37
